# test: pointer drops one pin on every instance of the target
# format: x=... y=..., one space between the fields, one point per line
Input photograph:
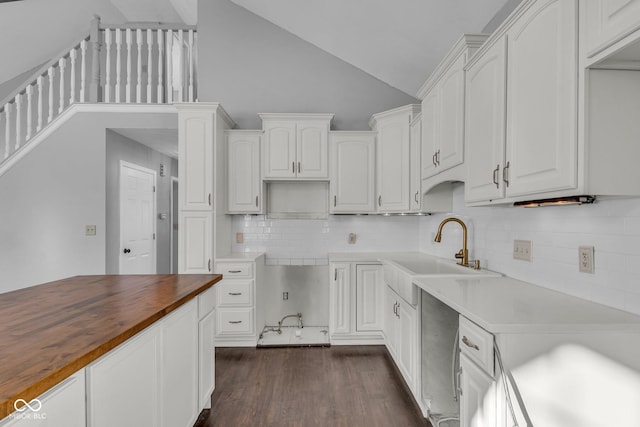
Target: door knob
x=126 y=251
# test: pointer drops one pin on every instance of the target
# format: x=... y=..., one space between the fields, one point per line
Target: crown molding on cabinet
x=213 y=106
x=412 y=109
x=464 y=43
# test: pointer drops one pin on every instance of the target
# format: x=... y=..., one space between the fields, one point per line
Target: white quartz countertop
x=506 y=305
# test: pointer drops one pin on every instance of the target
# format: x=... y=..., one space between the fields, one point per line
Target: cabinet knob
x=126 y=251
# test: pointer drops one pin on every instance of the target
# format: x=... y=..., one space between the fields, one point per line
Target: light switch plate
x=239 y=237
x=522 y=250
x=585 y=262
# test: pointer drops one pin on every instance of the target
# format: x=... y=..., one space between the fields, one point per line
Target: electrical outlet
x=352 y=238
x=89 y=230
x=285 y=296
x=522 y=250
x=239 y=237
x=585 y=262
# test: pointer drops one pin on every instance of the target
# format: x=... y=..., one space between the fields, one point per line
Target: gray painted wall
x=122 y=148
x=252 y=66
x=500 y=16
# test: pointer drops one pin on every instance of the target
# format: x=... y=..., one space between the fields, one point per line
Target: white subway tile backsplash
x=612 y=226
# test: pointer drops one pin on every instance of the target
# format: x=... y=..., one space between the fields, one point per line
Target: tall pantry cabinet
x=201 y=187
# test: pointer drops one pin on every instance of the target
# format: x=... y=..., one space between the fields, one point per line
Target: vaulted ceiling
x=397 y=41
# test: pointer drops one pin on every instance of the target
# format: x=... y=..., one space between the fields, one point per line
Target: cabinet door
x=352 y=173
x=477 y=400
x=63 y=405
x=179 y=367
x=312 y=149
x=541 y=100
x=340 y=299
x=415 y=179
x=390 y=320
x=123 y=386
x=206 y=359
x=243 y=172
x=393 y=165
x=608 y=21
x=195 y=242
x=485 y=125
x=195 y=141
x=369 y=298
x=429 y=134
x=450 y=139
x=407 y=343
x=280 y=149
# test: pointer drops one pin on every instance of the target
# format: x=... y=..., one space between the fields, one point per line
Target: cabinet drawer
x=235 y=269
x=476 y=343
x=234 y=321
x=206 y=302
x=235 y=293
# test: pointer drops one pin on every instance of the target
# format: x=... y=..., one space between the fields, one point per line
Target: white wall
x=307 y=242
x=45 y=202
x=252 y=66
x=611 y=226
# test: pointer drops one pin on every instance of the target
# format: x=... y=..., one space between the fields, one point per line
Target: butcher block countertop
x=50 y=331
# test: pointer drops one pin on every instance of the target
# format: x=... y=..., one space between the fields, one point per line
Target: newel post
x=95 y=89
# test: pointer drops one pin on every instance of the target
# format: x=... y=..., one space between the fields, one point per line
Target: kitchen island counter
x=50 y=331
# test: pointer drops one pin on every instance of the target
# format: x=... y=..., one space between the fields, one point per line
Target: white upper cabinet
x=244 y=194
x=443 y=109
x=352 y=187
x=528 y=147
x=296 y=146
x=485 y=125
x=415 y=178
x=196 y=158
x=607 y=22
x=393 y=163
x=542 y=115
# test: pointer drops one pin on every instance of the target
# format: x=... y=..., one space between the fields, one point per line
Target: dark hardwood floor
x=312 y=386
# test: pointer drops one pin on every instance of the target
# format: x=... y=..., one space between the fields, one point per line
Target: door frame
x=154 y=250
x=173 y=215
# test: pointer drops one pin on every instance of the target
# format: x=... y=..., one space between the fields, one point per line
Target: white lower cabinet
x=402 y=335
x=61 y=406
x=238 y=319
x=206 y=347
x=356 y=302
x=477 y=400
x=151 y=379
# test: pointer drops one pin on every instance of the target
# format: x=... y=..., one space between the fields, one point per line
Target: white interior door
x=137 y=219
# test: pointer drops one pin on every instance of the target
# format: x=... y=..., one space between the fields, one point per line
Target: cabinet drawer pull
x=380 y=200
x=299 y=167
x=293 y=168
x=235 y=294
x=438 y=157
x=209 y=265
x=505 y=174
x=234 y=271
x=468 y=343
x=235 y=322
x=433 y=159
x=335 y=201
x=495 y=176
x=209 y=199
x=256 y=201
x=416 y=197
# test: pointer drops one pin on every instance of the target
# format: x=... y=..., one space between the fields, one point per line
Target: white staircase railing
x=114 y=64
